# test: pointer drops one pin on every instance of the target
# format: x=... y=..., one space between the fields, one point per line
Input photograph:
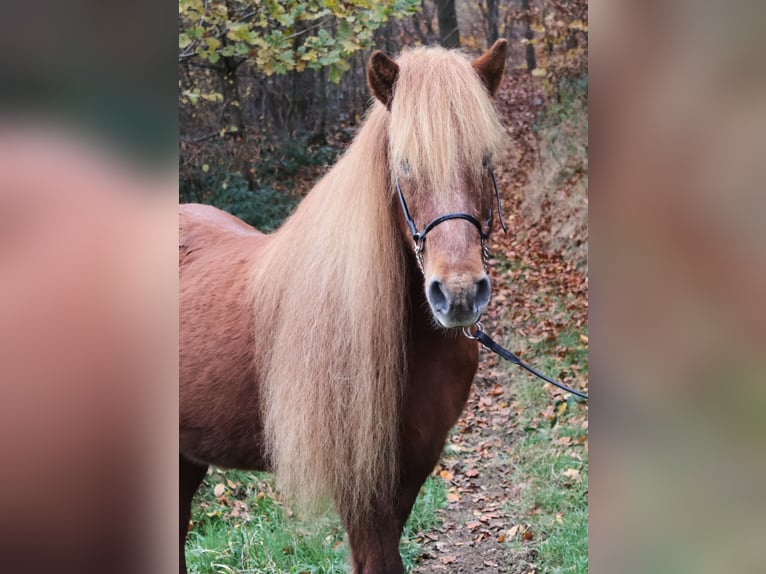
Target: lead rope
x=487 y=342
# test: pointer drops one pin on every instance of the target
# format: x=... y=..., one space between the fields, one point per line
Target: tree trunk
x=449 y=35
x=428 y=16
x=232 y=106
x=319 y=135
x=233 y=117
x=529 y=35
x=231 y=101
x=492 y=18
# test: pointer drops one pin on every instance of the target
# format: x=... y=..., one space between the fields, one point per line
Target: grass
x=551 y=460
x=247 y=528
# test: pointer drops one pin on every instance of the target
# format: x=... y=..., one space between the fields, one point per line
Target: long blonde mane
x=442 y=119
x=329 y=291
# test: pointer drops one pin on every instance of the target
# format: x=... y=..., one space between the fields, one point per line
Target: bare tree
x=449 y=34
x=529 y=35
x=492 y=17
x=422 y=28
x=230 y=89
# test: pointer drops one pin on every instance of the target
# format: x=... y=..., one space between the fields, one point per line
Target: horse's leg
x=431 y=408
x=190 y=476
x=375 y=545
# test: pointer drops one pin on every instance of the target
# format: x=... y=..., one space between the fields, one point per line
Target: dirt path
x=477 y=468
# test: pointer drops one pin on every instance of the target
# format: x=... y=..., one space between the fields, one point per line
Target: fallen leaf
x=219 y=489
x=453 y=497
x=449 y=559
x=446 y=475
x=471 y=472
x=572 y=473
x=473 y=525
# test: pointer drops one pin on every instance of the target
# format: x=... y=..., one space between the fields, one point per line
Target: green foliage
x=570 y=103
x=247 y=528
x=285 y=159
x=264 y=208
x=279 y=165
x=277 y=36
x=562 y=130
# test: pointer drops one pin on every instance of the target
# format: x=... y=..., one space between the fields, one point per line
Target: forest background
x=270 y=94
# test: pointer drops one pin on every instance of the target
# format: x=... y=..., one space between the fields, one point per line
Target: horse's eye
x=486 y=161
x=405 y=168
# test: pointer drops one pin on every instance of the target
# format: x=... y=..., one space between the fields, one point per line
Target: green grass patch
x=244 y=527
x=551 y=462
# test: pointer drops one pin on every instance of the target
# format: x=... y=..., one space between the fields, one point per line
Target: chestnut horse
x=329 y=352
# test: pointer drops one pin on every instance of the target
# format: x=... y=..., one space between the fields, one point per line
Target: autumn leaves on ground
x=510 y=492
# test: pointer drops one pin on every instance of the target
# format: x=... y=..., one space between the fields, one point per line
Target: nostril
x=482 y=294
x=437 y=296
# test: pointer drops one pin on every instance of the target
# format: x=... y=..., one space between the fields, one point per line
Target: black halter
x=419 y=237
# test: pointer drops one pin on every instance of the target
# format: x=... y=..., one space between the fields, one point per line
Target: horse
x=329 y=351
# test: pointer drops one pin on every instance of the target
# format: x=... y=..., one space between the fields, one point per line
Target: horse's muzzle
x=458 y=302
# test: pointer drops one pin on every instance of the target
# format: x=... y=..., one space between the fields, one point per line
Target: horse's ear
x=491 y=64
x=382 y=72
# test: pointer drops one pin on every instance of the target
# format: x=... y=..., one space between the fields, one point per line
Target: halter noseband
x=419 y=237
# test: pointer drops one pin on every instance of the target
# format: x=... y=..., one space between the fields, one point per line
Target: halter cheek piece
x=419 y=237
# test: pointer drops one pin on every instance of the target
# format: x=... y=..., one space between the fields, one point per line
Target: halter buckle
x=419 y=244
